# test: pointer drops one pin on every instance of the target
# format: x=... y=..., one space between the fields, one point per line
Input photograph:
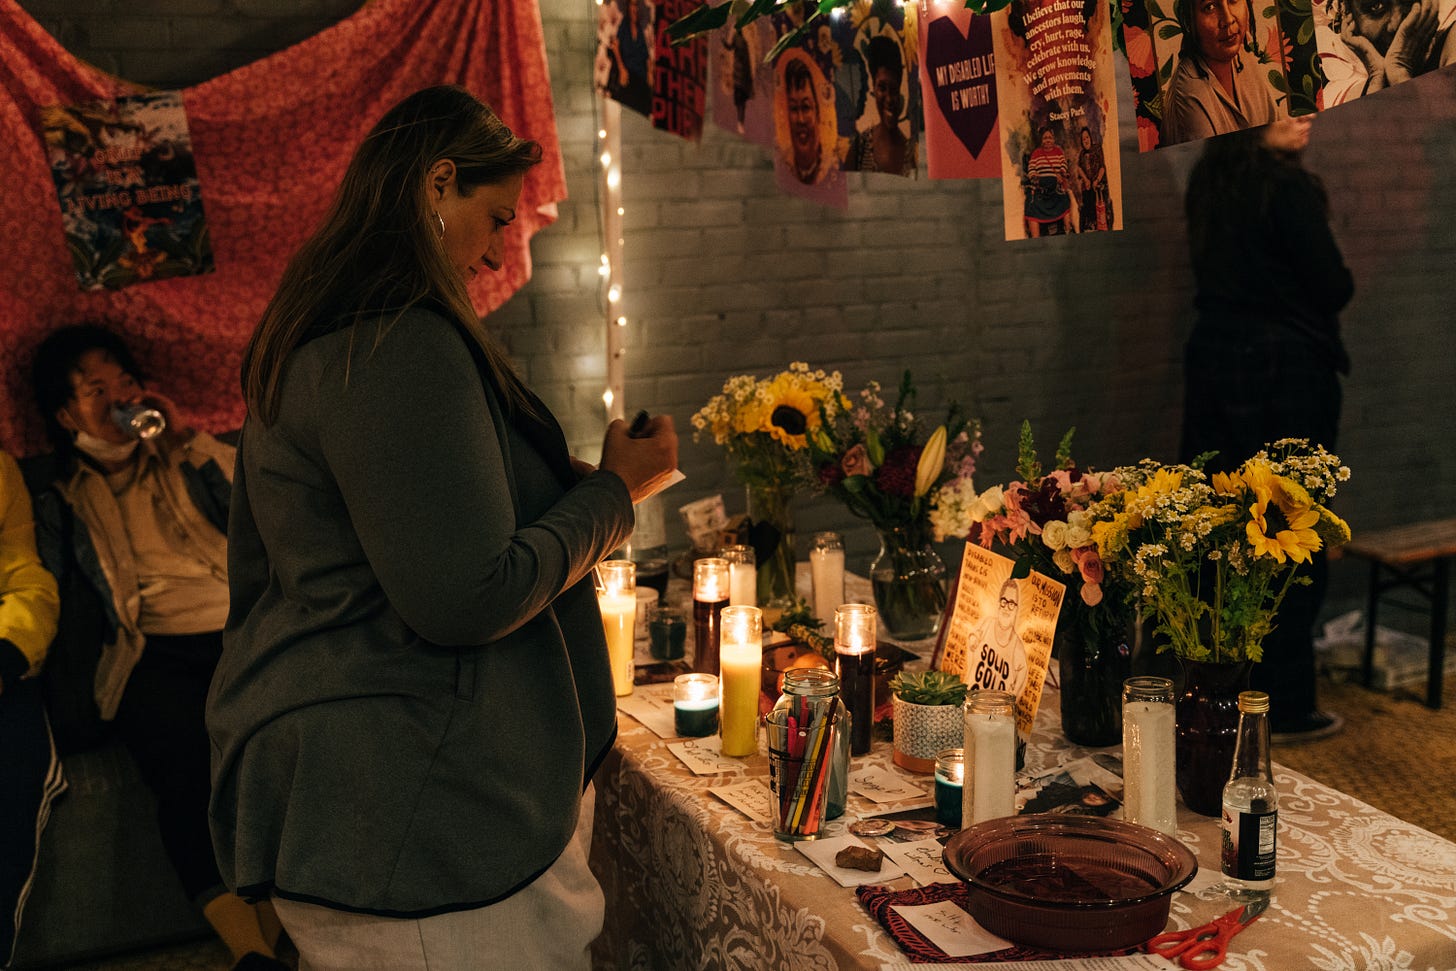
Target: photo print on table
x=1056 y=94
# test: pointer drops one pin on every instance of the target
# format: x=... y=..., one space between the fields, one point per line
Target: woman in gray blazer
x=414 y=690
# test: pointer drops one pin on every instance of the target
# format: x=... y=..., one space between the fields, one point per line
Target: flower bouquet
x=1043 y=521
x=763 y=424
x=880 y=461
x=1211 y=559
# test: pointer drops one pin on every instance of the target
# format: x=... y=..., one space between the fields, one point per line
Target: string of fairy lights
x=609 y=195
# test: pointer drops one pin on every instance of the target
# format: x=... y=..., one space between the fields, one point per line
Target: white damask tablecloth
x=692 y=883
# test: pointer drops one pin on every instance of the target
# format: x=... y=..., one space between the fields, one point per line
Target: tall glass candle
x=990 y=757
x=856 y=631
x=742 y=662
x=710 y=596
x=1148 y=761
x=826 y=567
x=617 y=597
x=695 y=704
x=742 y=576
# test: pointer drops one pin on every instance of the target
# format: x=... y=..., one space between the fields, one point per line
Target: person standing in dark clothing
x=1265 y=357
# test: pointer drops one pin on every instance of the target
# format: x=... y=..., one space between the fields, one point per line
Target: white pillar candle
x=617 y=598
x=742 y=576
x=741 y=656
x=1148 y=759
x=826 y=567
x=990 y=754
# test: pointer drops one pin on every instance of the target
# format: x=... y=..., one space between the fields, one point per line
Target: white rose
x=1054 y=534
x=1078 y=537
x=1063 y=559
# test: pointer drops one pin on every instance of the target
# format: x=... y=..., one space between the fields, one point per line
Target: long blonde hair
x=378 y=251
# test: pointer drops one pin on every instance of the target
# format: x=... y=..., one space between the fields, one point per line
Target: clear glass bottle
x=813 y=689
x=1250 y=804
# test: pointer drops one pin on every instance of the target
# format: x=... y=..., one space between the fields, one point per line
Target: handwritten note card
x=881 y=785
x=705 y=756
x=751 y=798
x=922 y=859
x=651 y=704
x=951 y=929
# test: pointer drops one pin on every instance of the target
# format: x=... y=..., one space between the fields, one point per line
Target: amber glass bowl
x=1069 y=883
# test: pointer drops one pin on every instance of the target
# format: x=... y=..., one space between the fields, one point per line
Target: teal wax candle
x=949 y=786
x=695 y=718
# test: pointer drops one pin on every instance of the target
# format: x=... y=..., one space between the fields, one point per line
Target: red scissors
x=1206 y=947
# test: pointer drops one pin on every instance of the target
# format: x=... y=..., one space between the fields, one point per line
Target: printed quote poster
x=131 y=204
x=1057 y=106
x=998 y=635
x=958 y=76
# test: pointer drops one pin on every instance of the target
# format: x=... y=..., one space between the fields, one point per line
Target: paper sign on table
x=951 y=929
x=751 y=798
x=651 y=704
x=923 y=861
x=823 y=851
x=705 y=756
x=882 y=785
x=1121 y=962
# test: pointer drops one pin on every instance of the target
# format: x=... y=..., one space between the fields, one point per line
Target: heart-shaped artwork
x=961 y=69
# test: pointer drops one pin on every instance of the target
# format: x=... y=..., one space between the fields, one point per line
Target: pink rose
x=1090 y=566
x=1091 y=594
x=856 y=462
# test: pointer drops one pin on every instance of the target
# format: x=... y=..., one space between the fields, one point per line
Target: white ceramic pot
x=922 y=731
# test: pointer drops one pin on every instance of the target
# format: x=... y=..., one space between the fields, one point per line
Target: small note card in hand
x=881 y=785
x=751 y=798
x=704 y=756
x=951 y=929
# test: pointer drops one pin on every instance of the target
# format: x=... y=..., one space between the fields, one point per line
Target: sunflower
x=790 y=410
x=1299 y=540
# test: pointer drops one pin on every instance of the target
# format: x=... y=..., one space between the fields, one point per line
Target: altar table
x=692 y=883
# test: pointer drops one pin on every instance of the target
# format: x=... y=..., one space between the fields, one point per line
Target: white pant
x=547 y=926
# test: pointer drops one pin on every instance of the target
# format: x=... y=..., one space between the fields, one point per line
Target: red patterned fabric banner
x=271 y=141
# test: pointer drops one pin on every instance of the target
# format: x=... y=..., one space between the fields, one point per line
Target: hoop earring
x=439 y=223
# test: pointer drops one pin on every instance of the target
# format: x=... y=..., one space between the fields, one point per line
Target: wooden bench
x=1417 y=557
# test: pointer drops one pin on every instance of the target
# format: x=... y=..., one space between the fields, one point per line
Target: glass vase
x=1207 y=728
x=772 y=536
x=1094 y=658
x=908 y=578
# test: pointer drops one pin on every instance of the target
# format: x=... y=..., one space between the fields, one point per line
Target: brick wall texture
x=725 y=275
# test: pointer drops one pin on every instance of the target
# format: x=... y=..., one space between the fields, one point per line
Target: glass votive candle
x=856 y=632
x=695 y=704
x=710 y=596
x=742 y=576
x=617 y=598
x=742 y=678
x=950 y=774
x=826 y=569
x=667 y=633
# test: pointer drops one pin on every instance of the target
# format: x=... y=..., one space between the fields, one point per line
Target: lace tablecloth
x=693 y=883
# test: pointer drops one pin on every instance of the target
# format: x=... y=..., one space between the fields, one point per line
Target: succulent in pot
x=928 y=717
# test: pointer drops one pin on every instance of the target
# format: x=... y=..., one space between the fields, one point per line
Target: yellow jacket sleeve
x=29 y=602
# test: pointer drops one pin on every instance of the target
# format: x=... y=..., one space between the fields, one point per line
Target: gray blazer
x=414 y=687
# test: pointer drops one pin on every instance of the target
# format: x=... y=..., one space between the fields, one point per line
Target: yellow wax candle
x=741 y=658
x=619 y=617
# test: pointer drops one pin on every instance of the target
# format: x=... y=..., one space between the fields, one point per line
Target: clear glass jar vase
x=1094 y=658
x=908 y=577
x=772 y=535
